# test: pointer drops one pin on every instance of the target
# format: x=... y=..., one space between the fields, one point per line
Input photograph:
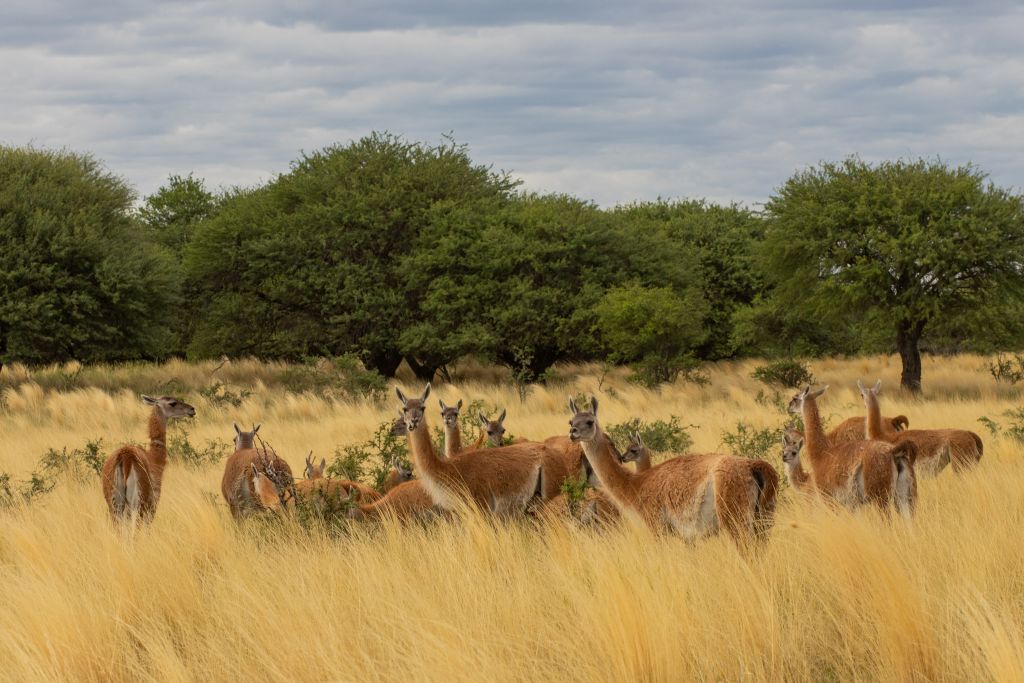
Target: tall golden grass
x=831 y=596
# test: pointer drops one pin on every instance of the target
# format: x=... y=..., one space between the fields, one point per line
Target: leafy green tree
x=723 y=240
x=654 y=326
x=310 y=264
x=79 y=278
x=906 y=245
x=519 y=285
x=173 y=211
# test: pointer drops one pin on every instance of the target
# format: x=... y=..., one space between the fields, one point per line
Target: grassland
x=832 y=596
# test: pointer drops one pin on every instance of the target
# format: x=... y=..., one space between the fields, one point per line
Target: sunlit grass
x=831 y=596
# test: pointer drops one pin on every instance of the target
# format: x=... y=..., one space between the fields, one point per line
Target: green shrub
x=180 y=449
x=785 y=373
x=1009 y=370
x=76 y=463
x=660 y=436
x=372 y=458
x=748 y=442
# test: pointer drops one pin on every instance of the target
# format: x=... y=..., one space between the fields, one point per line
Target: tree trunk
x=423 y=371
x=385 y=362
x=908 y=336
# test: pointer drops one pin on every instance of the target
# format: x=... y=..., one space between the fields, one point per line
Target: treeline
x=392 y=250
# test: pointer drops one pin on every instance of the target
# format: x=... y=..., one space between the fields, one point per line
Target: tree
x=311 y=264
x=908 y=245
x=79 y=279
x=173 y=211
x=722 y=238
x=653 y=326
x=519 y=284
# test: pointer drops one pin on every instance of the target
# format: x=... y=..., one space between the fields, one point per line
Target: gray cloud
x=722 y=101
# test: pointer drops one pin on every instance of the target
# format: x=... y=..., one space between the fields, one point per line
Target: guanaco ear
x=256 y=428
x=593 y=404
x=323 y=464
x=401 y=396
x=237 y=430
x=149 y=400
x=877 y=388
x=426 y=392
x=443 y=406
x=458 y=406
x=819 y=392
x=484 y=420
x=501 y=418
x=309 y=459
x=307 y=472
x=860 y=385
x=572 y=406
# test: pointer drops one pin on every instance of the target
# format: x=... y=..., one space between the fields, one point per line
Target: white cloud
x=721 y=100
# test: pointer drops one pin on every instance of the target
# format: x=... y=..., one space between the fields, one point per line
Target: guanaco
x=252 y=476
x=330 y=493
x=792 y=442
x=859 y=472
x=499 y=480
x=691 y=495
x=936 y=448
x=132 y=476
x=638 y=453
x=855 y=428
x=452 y=432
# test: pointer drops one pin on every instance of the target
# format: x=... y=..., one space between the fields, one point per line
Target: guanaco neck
x=815 y=441
x=643 y=463
x=157 y=444
x=798 y=478
x=874 y=418
x=452 y=440
x=614 y=478
x=423 y=454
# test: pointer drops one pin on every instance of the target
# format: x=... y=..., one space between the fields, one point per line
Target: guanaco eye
x=590 y=423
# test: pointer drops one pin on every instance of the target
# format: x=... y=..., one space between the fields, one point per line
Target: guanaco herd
x=870 y=460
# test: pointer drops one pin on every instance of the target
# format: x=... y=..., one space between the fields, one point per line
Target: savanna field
x=832 y=595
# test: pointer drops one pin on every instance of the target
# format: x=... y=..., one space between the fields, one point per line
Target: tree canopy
x=905 y=245
x=79 y=278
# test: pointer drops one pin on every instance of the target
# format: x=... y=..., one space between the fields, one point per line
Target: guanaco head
x=583 y=424
x=495 y=429
x=900 y=422
x=866 y=393
x=636 y=449
x=398 y=474
x=312 y=470
x=169 y=407
x=413 y=408
x=450 y=414
x=245 y=440
x=792 y=442
x=796 y=405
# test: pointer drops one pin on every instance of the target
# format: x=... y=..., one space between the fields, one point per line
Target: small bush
x=575 y=490
x=1014 y=429
x=180 y=449
x=749 y=442
x=37 y=486
x=653 y=371
x=1009 y=370
x=792 y=374
x=660 y=436
x=372 y=458
x=76 y=463
x=219 y=394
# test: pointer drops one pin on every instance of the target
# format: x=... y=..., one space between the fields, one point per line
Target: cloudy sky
x=722 y=100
